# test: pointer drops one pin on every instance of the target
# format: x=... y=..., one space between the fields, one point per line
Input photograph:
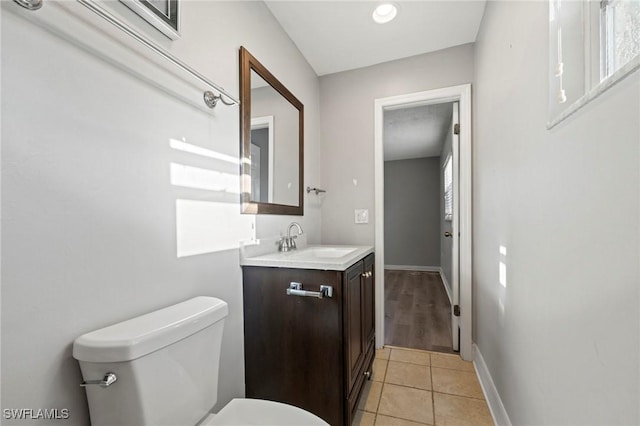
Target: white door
x=255 y=173
x=455 y=228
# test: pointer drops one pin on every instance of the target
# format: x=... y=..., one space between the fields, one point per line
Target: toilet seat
x=241 y=411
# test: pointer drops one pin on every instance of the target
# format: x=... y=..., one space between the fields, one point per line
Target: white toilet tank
x=166 y=364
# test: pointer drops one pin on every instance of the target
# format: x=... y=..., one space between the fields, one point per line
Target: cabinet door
x=369 y=301
x=353 y=313
x=293 y=349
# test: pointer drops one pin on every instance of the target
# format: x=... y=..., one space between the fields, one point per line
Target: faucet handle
x=286 y=243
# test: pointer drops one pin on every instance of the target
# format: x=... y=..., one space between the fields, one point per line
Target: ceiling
x=337 y=36
x=416 y=132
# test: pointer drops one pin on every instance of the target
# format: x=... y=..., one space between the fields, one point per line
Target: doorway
x=460 y=234
x=418 y=214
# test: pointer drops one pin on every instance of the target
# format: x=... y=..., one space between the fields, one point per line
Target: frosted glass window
x=567 y=55
x=592 y=46
x=448 y=189
x=620 y=34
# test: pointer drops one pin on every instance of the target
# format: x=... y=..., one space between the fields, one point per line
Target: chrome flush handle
x=108 y=380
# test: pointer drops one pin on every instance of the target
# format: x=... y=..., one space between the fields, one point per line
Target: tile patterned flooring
x=413 y=387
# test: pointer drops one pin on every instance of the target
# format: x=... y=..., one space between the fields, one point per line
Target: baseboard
x=498 y=412
x=446 y=286
x=413 y=268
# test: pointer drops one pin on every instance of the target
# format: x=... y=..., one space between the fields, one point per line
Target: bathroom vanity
x=307 y=346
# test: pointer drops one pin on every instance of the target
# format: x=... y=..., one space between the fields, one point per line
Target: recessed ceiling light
x=384 y=13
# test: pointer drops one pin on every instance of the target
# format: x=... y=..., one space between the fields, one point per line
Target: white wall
x=89 y=214
x=347 y=105
x=562 y=340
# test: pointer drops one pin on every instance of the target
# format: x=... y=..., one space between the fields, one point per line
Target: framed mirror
x=271 y=151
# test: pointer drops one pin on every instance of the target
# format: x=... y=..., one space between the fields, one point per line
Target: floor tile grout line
x=430 y=353
x=381 y=391
x=432 y=390
x=404 y=348
x=382 y=388
x=455 y=369
x=461 y=396
x=378 y=404
x=454 y=355
x=412 y=363
x=408 y=387
x=433 y=398
x=402 y=418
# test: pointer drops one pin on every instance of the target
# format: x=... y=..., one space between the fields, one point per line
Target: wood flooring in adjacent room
x=417 y=311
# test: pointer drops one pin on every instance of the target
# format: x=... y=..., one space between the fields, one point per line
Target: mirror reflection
x=274 y=166
x=272 y=141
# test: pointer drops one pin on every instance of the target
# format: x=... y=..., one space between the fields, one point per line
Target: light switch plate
x=362 y=215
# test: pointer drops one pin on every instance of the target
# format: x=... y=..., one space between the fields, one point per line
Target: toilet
x=162 y=369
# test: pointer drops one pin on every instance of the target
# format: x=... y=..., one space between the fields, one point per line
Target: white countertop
x=323 y=257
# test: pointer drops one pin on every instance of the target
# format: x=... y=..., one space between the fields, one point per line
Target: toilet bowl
x=162 y=369
x=260 y=412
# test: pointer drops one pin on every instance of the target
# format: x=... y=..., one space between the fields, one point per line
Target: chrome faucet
x=288 y=243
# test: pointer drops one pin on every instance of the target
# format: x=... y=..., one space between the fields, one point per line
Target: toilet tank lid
x=131 y=339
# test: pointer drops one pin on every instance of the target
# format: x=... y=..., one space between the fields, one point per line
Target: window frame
x=594 y=63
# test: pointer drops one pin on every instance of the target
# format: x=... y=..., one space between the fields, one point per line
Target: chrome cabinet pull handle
x=295 y=289
x=108 y=380
x=367 y=274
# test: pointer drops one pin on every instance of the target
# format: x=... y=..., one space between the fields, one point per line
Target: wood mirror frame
x=249 y=63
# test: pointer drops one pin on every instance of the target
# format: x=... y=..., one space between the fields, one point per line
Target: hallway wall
x=346 y=114
x=562 y=339
x=412 y=212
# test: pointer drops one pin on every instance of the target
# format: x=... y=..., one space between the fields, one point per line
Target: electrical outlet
x=362 y=215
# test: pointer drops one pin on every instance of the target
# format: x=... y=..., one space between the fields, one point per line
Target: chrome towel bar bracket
x=316 y=190
x=30 y=4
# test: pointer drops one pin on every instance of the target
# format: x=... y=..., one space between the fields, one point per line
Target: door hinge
x=456 y=310
x=456 y=129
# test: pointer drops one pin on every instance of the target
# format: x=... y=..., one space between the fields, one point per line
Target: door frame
x=266 y=122
x=461 y=94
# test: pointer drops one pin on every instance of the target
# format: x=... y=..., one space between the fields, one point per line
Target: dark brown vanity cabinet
x=314 y=353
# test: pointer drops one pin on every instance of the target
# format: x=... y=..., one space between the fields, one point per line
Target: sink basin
x=323 y=252
x=311 y=257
